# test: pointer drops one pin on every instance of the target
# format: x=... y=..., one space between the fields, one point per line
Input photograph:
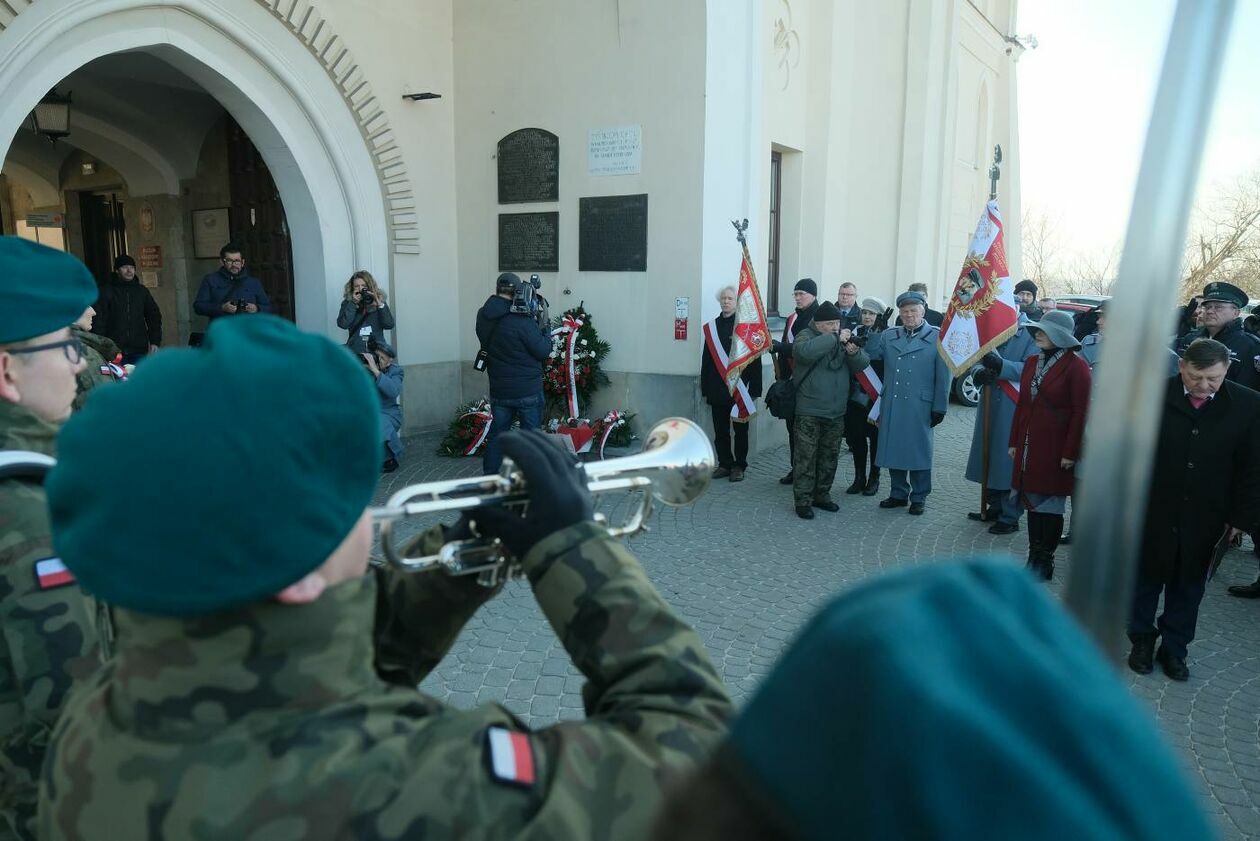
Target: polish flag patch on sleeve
x=511 y=757
x=51 y=573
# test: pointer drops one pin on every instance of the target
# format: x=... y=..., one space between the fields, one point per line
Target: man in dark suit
x=1205 y=485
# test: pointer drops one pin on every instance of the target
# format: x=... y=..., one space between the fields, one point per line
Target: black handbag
x=781 y=397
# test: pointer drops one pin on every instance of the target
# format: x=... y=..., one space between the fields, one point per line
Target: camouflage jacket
x=97 y=351
x=48 y=634
x=272 y=722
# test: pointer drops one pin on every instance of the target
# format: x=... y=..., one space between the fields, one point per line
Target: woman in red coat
x=1046 y=434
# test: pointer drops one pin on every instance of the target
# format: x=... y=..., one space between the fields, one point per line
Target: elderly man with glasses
x=49 y=630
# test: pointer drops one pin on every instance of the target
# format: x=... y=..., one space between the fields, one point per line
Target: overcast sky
x=1085 y=98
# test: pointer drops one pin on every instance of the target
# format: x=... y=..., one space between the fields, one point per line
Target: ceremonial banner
x=982 y=310
x=751 y=337
x=744 y=406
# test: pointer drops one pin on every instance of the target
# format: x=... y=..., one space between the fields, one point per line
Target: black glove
x=983 y=376
x=558 y=496
x=777 y=346
x=937 y=417
x=992 y=361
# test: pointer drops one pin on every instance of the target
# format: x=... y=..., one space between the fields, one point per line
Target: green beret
x=41 y=289
x=956 y=701
x=234 y=469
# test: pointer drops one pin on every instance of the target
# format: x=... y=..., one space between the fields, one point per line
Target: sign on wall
x=529 y=166
x=612 y=233
x=150 y=257
x=529 y=242
x=614 y=151
x=46 y=220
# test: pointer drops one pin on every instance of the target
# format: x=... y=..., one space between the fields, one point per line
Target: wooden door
x=104 y=232
x=258 y=223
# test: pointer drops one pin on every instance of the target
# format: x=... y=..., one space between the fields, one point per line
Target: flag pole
x=986 y=393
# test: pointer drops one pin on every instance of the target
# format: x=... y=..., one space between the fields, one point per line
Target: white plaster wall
x=569 y=66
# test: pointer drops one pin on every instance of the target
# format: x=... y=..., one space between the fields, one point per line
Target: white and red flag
x=982 y=310
x=749 y=339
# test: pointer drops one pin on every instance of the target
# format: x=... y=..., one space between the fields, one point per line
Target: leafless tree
x=1040 y=248
x=1091 y=274
x=1224 y=243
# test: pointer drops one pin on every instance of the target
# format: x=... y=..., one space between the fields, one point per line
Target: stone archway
x=273 y=84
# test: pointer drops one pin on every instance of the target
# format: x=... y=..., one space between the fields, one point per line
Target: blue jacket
x=219 y=287
x=1001 y=412
x=517 y=348
x=389 y=386
x=916 y=384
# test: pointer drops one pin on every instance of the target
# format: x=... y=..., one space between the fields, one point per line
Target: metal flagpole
x=995 y=173
x=1124 y=417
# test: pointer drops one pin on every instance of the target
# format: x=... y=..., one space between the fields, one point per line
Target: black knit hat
x=1026 y=285
x=827 y=311
x=806 y=284
x=124 y=260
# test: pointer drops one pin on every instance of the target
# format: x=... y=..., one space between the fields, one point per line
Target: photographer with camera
x=379 y=357
x=364 y=313
x=861 y=436
x=231 y=289
x=515 y=343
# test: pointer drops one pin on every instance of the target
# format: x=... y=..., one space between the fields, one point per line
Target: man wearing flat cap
x=264 y=683
x=127 y=313
x=805 y=295
x=914 y=401
x=48 y=630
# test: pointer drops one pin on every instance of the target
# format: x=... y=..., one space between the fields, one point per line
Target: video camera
x=241 y=305
x=525 y=296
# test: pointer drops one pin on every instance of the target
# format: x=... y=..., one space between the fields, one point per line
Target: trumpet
x=674 y=469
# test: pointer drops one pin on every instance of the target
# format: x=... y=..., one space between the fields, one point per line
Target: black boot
x=1052 y=533
x=872 y=483
x=1142 y=655
x=859 y=476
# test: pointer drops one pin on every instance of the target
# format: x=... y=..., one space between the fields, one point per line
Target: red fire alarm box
x=680 y=329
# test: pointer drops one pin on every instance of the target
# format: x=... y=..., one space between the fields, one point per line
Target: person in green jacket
x=48 y=630
x=102 y=359
x=264 y=684
x=825 y=363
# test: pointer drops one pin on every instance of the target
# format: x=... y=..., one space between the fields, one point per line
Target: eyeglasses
x=72 y=348
x=239 y=261
x=1214 y=306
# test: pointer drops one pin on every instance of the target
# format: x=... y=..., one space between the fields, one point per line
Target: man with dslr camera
x=514 y=345
x=230 y=289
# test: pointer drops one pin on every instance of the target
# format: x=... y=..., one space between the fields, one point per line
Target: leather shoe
x=893 y=502
x=737 y=474
x=916 y=508
x=1246 y=591
x=804 y=512
x=859 y=485
x=1065 y=539
x=826 y=505
x=1003 y=528
x=721 y=473
x=1141 y=656
x=786 y=480
x=1174 y=667
x=987 y=517
x=389 y=466
x=872 y=487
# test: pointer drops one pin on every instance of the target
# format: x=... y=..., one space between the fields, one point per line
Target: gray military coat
x=1001 y=413
x=916 y=384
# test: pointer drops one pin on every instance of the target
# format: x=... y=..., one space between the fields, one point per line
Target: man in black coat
x=805 y=294
x=517 y=346
x=713 y=360
x=127 y=313
x=1205 y=485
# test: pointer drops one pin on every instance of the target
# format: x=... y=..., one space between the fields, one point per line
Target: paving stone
x=742 y=570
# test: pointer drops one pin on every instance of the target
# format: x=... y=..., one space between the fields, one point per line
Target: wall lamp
x=51 y=116
x=416 y=97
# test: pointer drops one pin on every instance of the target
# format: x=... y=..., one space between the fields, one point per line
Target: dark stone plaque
x=529 y=242
x=612 y=233
x=529 y=166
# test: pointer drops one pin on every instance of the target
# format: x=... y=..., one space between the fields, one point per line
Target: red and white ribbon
x=611 y=421
x=745 y=407
x=1010 y=389
x=570 y=324
x=874 y=388
x=485 y=418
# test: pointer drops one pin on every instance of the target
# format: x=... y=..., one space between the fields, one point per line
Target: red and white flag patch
x=51 y=572
x=511 y=756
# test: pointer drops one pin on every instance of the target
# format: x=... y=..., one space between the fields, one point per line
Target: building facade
x=854 y=136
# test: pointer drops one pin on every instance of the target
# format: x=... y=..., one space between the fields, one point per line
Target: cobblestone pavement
x=747 y=573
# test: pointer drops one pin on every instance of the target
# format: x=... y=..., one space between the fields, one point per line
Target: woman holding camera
x=364 y=313
x=863 y=437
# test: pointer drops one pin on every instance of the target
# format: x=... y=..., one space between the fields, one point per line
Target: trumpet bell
x=677 y=458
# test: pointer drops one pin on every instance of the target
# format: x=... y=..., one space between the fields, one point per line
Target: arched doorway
x=270 y=84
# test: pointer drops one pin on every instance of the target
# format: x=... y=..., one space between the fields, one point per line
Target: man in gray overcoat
x=1000 y=374
x=914 y=400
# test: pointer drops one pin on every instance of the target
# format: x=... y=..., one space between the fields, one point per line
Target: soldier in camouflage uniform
x=47 y=633
x=102 y=358
x=264 y=687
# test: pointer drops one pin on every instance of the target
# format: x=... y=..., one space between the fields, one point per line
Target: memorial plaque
x=529 y=166
x=612 y=233
x=529 y=242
